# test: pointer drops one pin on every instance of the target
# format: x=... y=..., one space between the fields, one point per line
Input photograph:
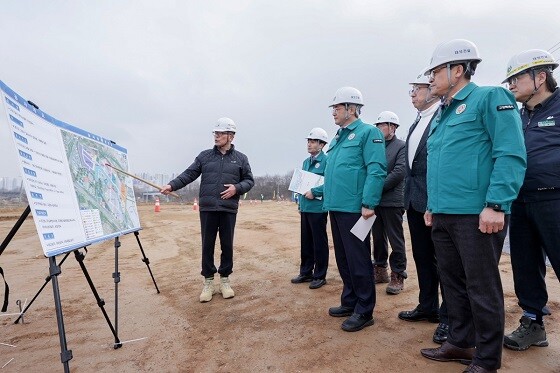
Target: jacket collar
x=464 y=92
x=216 y=150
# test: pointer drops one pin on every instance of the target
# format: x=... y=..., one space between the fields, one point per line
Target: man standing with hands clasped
x=354 y=178
x=226 y=174
x=476 y=164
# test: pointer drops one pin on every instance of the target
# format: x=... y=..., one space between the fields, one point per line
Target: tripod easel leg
x=117 y=279
x=145 y=259
x=65 y=354
x=100 y=302
x=47 y=280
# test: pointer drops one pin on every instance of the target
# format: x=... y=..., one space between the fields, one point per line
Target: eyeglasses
x=218 y=134
x=415 y=90
x=514 y=79
x=382 y=124
x=335 y=109
x=435 y=71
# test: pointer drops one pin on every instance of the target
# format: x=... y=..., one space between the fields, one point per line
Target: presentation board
x=76 y=200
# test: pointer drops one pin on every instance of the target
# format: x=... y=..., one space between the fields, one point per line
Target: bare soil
x=270 y=325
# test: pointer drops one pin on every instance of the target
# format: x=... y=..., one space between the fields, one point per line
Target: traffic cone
x=157 y=207
x=195 y=205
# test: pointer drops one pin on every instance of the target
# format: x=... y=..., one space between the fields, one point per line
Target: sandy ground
x=270 y=326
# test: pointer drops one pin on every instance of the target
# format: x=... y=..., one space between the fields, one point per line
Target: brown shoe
x=448 y=352
x=396 y=284
x=478 y=369
x=380 y=275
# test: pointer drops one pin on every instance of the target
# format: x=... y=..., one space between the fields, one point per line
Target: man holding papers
x=314 y=241
x=354 y=179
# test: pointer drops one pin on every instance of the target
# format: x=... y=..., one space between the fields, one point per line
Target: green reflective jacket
x=356 y=169
x=476 y=152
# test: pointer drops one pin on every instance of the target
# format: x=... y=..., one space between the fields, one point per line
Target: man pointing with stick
x=226 y=174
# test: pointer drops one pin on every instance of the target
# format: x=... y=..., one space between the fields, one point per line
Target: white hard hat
x=456 y=50
x=529 y=59
x=421 y=78
x=318 y=134
x=387 y=117
x=347 y=95
x=224 y=125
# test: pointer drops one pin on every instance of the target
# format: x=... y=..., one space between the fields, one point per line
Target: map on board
x=75 y=199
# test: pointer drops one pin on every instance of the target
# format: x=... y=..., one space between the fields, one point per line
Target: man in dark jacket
x=388 y=225
x=226 y=174
x=415 y=201
x=535 y=214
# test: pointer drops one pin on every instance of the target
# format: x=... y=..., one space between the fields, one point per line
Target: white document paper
x=302 y=181
x=362 y=227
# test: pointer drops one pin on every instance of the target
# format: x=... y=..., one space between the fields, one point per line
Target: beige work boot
x=380 y=275
x=208 y=290
x=396 y=285
x=225 y=288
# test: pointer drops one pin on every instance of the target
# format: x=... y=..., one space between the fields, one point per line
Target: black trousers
x=468 y=264
x=424 y=255
x=212 y=223
x=534 y=234
x=353 y=259
x=314 y=245
x=388 y=226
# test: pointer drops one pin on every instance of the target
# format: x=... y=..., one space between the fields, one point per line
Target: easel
x=54 y=271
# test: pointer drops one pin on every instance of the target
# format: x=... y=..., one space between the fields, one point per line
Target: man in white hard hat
x=226 y=175
x=354 y=179
x=314 y=241
x=415 y=201
x=535 y=214
x=476 y=163
x=388 y=226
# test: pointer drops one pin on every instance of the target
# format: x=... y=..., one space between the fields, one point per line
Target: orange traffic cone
x=157 y=207
x=195 y=205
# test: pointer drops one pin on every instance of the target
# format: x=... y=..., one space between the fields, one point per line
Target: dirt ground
x=270 y=325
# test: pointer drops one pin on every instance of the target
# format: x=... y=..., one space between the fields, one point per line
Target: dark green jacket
x=316 y=166
x=476 y=152
x=356 y=169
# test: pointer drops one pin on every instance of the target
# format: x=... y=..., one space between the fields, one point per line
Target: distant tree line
x=271 y=187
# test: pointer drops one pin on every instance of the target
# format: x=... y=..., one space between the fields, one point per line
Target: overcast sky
x=154 y=76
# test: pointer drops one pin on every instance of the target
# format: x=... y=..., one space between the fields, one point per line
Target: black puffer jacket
x=393 y=189
x=217 y=169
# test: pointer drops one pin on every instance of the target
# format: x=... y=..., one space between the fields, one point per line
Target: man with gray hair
x=415 y=201
x=354 y=178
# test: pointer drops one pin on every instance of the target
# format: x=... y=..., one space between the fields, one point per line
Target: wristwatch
x=494 y=206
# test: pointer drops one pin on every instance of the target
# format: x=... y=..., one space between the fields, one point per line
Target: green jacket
x=476 y=152
x=356 y=169
x=316 y=167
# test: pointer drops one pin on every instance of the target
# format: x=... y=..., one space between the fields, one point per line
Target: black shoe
x=440 y=335
x=341 y=311
x=416 y=315
x=317 y=283
x=356 y=322
x=302 y=278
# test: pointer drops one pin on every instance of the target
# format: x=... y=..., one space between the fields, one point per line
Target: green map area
x=105 y=198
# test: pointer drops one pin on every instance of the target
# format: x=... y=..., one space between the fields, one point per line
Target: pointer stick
x=142 y=180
